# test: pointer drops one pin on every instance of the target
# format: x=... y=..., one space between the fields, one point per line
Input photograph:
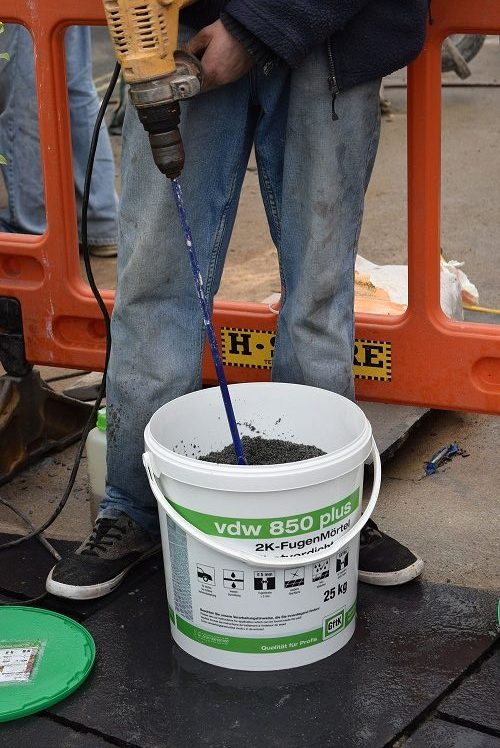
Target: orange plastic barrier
x=420 y=358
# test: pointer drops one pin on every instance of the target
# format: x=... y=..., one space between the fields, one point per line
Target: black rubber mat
x=43 y=732
x=477 y=700
x=411 y=643
x=439 y=734
x=24 y=569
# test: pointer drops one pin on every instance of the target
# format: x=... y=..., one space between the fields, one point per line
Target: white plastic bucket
x=261 y=562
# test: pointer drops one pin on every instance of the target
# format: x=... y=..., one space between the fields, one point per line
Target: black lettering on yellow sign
x=254 y=349
x=247 y=348
x=372 y=360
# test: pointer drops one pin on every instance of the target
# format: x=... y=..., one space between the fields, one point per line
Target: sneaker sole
x=94 y=252
x=392 y=578
x=93 y=591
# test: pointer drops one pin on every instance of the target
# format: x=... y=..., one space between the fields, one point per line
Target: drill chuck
x=157 y=104
x=161 y=121
x=168 y=152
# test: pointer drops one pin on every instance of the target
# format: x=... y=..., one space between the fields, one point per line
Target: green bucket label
x=338 y=621
x=349 y=614
x=268 y=645
x=244 y=528
x=333 y=624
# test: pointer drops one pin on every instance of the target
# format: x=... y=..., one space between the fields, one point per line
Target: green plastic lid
x=101 y=419
x=44 y=657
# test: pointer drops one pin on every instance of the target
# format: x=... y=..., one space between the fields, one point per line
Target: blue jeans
x=313 y=174
x=19 y=139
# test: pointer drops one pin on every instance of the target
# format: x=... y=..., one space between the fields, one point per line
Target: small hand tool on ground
x=441 y=456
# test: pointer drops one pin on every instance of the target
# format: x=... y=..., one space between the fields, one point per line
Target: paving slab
x=392 y=424
x=476 y=701
x=44 y=732
x=410 y=644
x=440 y=734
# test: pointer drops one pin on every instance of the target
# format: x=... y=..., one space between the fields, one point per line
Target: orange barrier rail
x=420 y=358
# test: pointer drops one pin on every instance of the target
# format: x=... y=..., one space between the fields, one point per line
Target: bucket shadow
x=188 y=671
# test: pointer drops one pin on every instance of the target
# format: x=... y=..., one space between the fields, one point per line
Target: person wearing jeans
x=315 y=145
x=19 y=141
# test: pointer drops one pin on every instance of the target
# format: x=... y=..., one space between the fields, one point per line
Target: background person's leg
x=19 y=138
x=83 y=106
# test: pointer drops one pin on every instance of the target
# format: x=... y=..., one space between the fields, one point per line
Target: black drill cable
x=107 y=323
x=40 y=536
x=19 y=598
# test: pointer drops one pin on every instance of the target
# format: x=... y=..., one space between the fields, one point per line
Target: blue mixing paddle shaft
x=198 y=280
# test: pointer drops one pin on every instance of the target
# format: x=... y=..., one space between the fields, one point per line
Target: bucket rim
x=313 y=471
x=299 y=466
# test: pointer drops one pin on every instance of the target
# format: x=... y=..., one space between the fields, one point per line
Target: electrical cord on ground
x=19 y=597
x=107 y=323
x=43 y=540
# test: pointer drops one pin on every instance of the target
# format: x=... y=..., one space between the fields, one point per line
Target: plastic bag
x=383 y=289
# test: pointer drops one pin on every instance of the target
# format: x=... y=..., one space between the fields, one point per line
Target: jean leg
x=327 y=166
x=273 y=95
x=19 y=138
x=84 y=106
x=157 y=327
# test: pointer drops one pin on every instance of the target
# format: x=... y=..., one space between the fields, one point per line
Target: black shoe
x=115 y=545
x=383 y=561
x=101 y=250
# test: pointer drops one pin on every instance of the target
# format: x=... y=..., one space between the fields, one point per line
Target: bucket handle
x=268 y=561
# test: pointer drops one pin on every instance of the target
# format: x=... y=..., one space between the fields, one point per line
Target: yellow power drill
x=144 y=35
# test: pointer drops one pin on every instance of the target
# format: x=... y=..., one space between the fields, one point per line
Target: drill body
x=144 y=34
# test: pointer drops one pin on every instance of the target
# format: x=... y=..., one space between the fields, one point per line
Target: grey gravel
x=260 y=451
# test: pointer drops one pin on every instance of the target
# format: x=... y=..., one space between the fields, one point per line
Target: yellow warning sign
x=248 y=348
x=372 y=360
x=254 y=349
